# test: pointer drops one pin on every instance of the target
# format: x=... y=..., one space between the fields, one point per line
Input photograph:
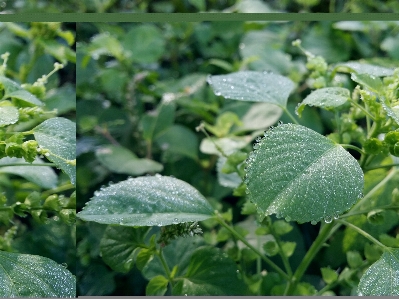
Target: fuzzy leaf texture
x=25 y=275
x=253 y=86
x=382 y=278
x=147 y=201
x=301 y=175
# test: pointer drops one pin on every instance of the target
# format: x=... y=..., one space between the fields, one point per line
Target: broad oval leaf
x=121 y=160
x=301 y=175
x=365 y=68
x=253 y=86
x=43 y=176
x=147 y=201
x=25 y=275
x=59 y=136
x=326 y=98
x=210 y=273
x=8 y=115
x=382 y=278
x=119 y=244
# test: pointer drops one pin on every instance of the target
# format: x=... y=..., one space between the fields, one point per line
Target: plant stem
x=365 y=234
x=353 y=147
x=281 y=252
x=381 y=166
x=309 y=256
x=290 y=115
x=164 y=264
x=242 y=239
x=363 y=109
x=389 y=207
x=62 y=188
x=28 y=164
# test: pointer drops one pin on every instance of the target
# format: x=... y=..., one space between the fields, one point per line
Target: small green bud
x=373 y=146
x=392 y=137
x=394 y=149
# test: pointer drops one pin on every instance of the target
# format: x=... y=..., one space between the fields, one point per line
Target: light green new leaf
x=382 y=278
x=147 y=201
x=301 y=175
x=59 y=136
x=392 y=111
x=326 y=98
x=373 y=83
x=25 y=275
x=43 y=176
x=253 y=86
x=119 y=244
x=121 y=160
x=157 y=286
x=8 y=115
x=210 y=273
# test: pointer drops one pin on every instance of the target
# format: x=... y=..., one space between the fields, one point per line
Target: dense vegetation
x=188 y=187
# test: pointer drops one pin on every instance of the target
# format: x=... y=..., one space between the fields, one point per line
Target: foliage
x=278 y=177
x=185 y=6
x=37 y=160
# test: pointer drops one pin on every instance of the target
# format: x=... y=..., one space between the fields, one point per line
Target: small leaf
x=14 y=90
x=326 y=98
x=59 y=136
x=392 y=111
x=329 y=275
x=271 y=248
x=119 y=244
x=231 y=180
x=301 y=175
x=382 y=278
x=253 y=86
x=121 y=160
x=157 y=286
x=354 y=259
x=281 y=227
x=288 y=248
x=373 y=83
x=147 y=201
x=25 y=275
x=8 y=115
x=209 y=273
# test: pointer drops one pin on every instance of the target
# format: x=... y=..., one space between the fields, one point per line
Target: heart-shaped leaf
x=59 y=136
x=253 y=86
x=25 y=275
x=299 y=174
x=382 y=278
x=147 y=201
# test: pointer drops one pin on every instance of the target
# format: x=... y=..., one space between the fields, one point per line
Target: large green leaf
x=119 y=244
x=121 y=160
x=14 y=90
x=8 y=115
x=210 y=272
x=25 y=275
x=366 y=68
x=253 y=86
x=147 y=201
x=299 y=174
x=382 y=278
x=59 y=136
x=325 y=97
x=44 y=176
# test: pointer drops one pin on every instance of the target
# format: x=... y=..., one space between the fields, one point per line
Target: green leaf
x=14 y=90
x=8 y=115
x=326 y=98
x=373 y=83
x=121 y=160
x=271 y=248
x=382 y=278
x=302 y=176
x=145 y=43
x=104 y=43
x=157 y=286
x=227 y=144
x=231 y=180
x=354 y=258
x=210 y=273
x=119 y=244
x=392 y=112
x=155 y=122
x=179 y=140
x=329 y=275
x=43 y=176
x=281 y=227
x=260 y=116
x=147 y=201
x=365 y=68
x=253 y=86
x=25 y=275
x=59 y=136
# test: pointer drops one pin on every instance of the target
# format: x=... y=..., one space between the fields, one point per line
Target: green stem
x=363 y=109
x=164 y=264
x=389 y=207
x=281 y=252
x=309 y=256
x=242 y=239
x=365 y=234
x=353 y=147
x=381 y=166
x=338 y=124
x=290 y=115
x=19 y=164
x=59 y=189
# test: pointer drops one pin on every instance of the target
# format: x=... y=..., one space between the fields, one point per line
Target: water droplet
x=328 y=219
x=288 y=219
x=313 y=222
